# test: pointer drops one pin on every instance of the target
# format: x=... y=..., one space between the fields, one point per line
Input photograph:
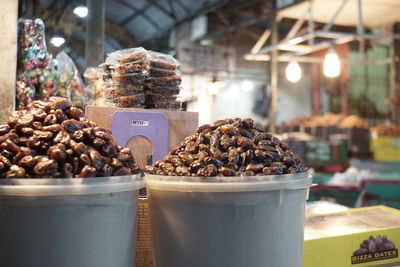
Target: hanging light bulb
x=293 y=72
x=57 y=41
x=80 y=11
x=331 y=64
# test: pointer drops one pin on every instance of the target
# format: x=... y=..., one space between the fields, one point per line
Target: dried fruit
x=229 y=147
x=53 y=139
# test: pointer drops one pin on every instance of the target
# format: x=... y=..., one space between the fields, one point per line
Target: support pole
x=397 y=76
x=94 y=48
x=344 y=78
x=274 y=75
x=310 y=21
x=360 y=29
x=315 y=89
x=8 y=63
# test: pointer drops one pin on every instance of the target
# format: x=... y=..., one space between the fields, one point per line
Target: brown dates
x=231 y=147
x=55 y=140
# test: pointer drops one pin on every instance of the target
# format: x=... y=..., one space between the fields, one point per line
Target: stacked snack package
x=136 y=77
x=124 y=73
x=164 y=81
x=36 y=78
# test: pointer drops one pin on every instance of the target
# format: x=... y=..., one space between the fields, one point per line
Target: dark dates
x=230 y=147
x=4 y=129
x=122 y=171
x=62 y=137
x=87 y=171
x=50 y=119
x=10 y=146
x=72 y=125
x=245 y=142
x=26 y=162
x=59 y=102
x=80 y=148
x=15 y=172
x=96 y=159
x=60 y=115
x=38 y=114
x=75 y=113
x=54 y=140
x=43 y=135
x=45 y=167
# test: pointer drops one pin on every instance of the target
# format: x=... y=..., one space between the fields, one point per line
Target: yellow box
x=385 y=148
x=354 y=238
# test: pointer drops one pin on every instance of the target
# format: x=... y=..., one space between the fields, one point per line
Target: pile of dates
x=55 y=140
x=372 y=245
x=230 y=147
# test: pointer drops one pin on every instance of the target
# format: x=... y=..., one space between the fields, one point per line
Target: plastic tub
x=233 y=221
x=68 y=222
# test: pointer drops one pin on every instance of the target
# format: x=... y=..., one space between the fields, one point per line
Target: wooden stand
x=180 y=124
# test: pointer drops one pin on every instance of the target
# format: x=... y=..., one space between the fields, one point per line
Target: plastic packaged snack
x=32 y=51
x=70 y=83
x=166 y=90
x=107 y=77
x=48 y=84
x=132 y=67
x=122 y=85
x=163 y=61
x=116 y=92
x=164 y=81
x=175 y=105
x=92 y=74
x=129 y=101
x=128 y=77
x=158 y=72
x=127 y=55
x=139 y=67
x=25 y=91
x=162 y=97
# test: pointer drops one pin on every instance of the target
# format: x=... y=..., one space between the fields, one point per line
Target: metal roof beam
x=172 y=8
x=163 y=9
x=182 y=6
x=328 y=26
x=296 y=27
x=197 y=13
x=242 y=24
x=138 y=12
x=261 y=41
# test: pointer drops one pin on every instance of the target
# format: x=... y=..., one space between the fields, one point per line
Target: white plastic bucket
x=68 y=222
x=228 y=221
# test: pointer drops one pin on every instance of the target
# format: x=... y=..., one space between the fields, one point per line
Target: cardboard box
x=341 y=239
x=178 y=125
x=385 y=148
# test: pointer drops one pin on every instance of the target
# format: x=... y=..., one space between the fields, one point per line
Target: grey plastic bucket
x=68 y=222
x=230 y=221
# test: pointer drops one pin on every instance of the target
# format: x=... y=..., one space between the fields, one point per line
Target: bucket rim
x=70 y=186
x=229 y=184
